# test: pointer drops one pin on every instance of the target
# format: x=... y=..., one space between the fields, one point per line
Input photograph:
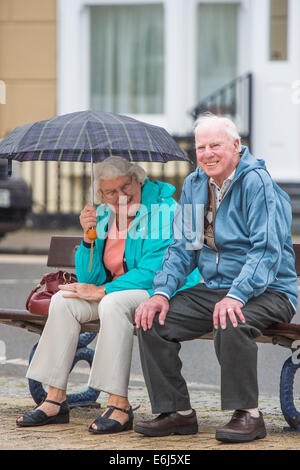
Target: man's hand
x=83 y=291
x=147 y=310
x=230 y=307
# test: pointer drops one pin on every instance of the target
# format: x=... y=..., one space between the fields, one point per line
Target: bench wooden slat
x=24 y=319
x=289 y=330
x=62 y=251
x=13 y=314
x=33 y=322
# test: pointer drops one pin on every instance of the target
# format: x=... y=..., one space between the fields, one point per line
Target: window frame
x=180 y=68
x=133 y=3
x=288 y=33
x=73 y=94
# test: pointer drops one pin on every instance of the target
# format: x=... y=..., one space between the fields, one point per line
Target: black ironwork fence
x=61 y=190
x=233 y=100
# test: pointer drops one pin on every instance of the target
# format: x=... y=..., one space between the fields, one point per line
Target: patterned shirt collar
x=225 y=182
x=219 y=192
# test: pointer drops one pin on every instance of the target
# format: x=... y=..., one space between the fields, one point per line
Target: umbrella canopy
x=87 y=136
x=90 y=136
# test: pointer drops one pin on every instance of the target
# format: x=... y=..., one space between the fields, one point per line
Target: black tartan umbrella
x=90 y=136
x=78 y=136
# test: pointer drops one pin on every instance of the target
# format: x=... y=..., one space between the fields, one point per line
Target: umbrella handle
x=92 y=233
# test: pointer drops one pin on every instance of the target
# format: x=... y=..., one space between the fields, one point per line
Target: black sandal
x=110 y=426
x=40 y=418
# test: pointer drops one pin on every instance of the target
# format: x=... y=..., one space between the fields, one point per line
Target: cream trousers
x=56 y=349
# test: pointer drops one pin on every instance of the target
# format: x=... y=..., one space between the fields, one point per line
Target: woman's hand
x=88 y=219
x=83 y=291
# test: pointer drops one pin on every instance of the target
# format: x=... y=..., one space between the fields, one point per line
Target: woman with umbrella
x=133 y=233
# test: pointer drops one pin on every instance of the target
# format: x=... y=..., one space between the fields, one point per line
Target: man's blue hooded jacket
x=252 y=235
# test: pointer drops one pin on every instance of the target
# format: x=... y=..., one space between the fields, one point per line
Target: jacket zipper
x=229 y=189
x=125 y=267
x=217 y=252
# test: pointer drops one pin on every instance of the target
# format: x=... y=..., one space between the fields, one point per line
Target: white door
x=276 y=65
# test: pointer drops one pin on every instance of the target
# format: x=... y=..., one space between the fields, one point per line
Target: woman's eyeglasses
x=126 y=189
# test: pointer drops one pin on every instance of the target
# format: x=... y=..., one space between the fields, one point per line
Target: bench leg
x=86 y=398
x=289 y=411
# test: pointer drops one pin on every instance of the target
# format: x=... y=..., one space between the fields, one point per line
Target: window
x=127 y=58
x=278 y=29
x=216 y=46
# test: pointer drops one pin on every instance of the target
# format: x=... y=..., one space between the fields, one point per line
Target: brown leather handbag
x=38 y=302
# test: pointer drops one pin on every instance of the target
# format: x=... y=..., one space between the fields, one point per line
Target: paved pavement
x=15 y=399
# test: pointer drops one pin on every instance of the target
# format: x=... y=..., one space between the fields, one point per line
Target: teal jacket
x=147 y=240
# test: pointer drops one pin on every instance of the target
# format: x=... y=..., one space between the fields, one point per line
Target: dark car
x=15 y=201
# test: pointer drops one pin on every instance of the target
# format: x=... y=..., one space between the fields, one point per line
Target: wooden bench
x=62 y=255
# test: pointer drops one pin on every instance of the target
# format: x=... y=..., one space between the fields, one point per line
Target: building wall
x=27 y=61
x=28 y=70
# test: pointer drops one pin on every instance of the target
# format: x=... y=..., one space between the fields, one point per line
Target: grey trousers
x=190 y=316
x=54 y=355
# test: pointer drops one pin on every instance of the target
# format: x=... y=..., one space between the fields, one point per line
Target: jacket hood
x=248 y=163
x=156 y=191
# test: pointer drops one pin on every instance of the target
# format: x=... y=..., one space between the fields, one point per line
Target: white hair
x=228 y=125
x=113 y=167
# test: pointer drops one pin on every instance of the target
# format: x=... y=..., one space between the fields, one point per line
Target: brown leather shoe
x=168 y=423
x=242 y=428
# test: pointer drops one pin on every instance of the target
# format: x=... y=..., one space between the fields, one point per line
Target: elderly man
x=247 y=264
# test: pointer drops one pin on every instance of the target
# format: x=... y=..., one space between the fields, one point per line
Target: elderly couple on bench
x=232 y=226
